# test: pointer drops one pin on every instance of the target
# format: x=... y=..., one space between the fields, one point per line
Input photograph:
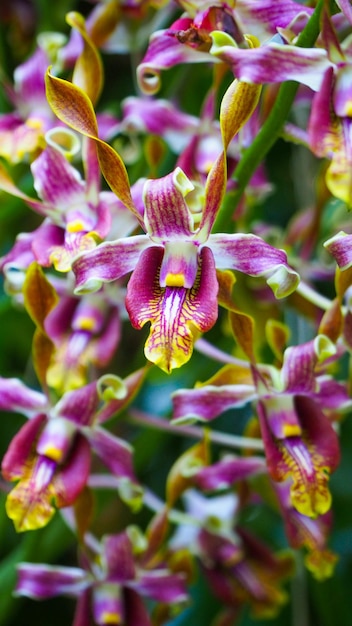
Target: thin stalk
x=195 y=432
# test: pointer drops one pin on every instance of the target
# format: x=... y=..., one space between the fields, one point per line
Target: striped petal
x=251 y=255
x=107 y=262
x=174 y=312
x=273 y=63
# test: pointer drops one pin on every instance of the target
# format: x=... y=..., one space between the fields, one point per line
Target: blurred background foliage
x=311 y=603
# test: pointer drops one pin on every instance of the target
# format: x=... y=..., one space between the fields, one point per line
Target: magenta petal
x=118 y=553
x=115 y=453
x=109 y=261
x=251 y=255
x=226 y=472
x=20 y=448
x=44 y=581
x=79 y=405
x=319 y=431
x=273 y=63
x=340 y=246
x=166 y=213
x=164 y=51
x=321 y=123
x=72 y=477
x=16 y=397
x=161 y=586
x=207 y=402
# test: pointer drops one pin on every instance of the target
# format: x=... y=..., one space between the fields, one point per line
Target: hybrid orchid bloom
x=50 y=455
x=86 y=333
x=196 y=37
x=330 y=121
x=174 y=284
x=22 y=131
x=77 y=213
x=299 y=439
x=240 y=570
x=113 y=585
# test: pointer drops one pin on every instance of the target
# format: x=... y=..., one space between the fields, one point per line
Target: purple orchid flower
x=112 y=584
x=299 y=439
x=174 y=284
x=50 y=455
x=22 y=131
x=239 y=569
x=209 y=34
x=76 y=211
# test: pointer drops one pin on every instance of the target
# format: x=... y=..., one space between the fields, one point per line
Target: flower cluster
x=209 y=204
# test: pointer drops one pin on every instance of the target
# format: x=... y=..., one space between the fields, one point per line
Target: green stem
x=271 y=128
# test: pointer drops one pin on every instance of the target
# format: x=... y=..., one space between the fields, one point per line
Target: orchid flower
x=239 y=568
x=214 y=35
x=112 y=585
x=330 y=120
x=50 y=455
x=22 y=131
x=299 y=439
x=76 y=211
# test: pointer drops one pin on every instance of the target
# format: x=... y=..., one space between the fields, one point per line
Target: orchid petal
x=107 y=262
x=173 y=311
x=229 y=470
x=208 y=402
x=88 y=70
x=164 y=51
x=73 y=107
x=273 y=63
x=298 y=370
x=166 y=213
x=251 y=255
x=39 y=581
x=340 y=246
x=16 y=397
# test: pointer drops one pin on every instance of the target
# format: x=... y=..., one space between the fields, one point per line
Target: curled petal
x=174 y=312
x=340 y=246
x=253 y=256
x=164 y=51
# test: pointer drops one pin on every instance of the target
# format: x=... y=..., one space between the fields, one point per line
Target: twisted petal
x=251 y=255
x=107 y=262
x=174 y=312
